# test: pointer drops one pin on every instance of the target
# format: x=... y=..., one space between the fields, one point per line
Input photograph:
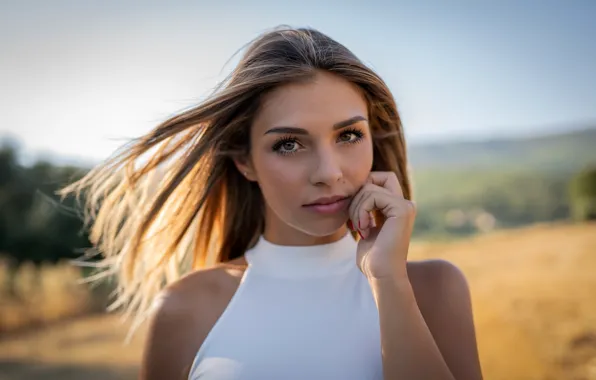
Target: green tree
x=582 y=191
x=34 y=225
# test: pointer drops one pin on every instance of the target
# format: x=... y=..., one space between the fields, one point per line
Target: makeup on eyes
x=289 y=139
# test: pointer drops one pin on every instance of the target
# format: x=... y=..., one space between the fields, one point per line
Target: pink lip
x=329 y=205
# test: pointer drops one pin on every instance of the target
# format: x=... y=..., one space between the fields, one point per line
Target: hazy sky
x=77 y=77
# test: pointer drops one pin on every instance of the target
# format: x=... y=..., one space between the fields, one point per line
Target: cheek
x=358 y=162
x=279 y=176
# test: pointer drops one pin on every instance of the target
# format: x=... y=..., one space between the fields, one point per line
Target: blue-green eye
x=286 y=145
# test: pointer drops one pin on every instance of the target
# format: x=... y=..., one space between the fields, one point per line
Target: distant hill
x=554 y=152
x=513 y=182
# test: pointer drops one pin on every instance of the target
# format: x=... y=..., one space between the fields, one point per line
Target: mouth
x=329 y=205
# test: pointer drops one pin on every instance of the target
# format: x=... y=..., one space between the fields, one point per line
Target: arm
x=425 y=316
x=427 y=329
x=168 y=352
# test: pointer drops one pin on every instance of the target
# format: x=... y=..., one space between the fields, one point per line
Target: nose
x=327 y=168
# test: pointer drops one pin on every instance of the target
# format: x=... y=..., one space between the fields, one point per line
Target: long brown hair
x=173 y=201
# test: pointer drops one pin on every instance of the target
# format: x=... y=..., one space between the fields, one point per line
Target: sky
x=78 y=78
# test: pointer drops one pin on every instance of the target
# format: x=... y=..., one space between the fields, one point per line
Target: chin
x=323 y=228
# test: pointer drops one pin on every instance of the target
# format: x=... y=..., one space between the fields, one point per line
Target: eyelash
x=286 y=139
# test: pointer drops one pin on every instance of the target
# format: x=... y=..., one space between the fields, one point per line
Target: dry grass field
x=534 y=294
x=51 y=293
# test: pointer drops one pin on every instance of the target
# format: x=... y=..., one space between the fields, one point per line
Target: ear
x=245 y=167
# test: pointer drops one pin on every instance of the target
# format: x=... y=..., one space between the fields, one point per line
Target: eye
x=286 y=145
x=351 y=136
x=289 y=146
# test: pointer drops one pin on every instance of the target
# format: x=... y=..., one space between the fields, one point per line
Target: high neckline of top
x=291 y=261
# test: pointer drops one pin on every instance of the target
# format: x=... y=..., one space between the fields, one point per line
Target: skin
x=427 y=329
x=319 y=162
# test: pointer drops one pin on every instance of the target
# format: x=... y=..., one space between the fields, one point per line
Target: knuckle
x=364 y=205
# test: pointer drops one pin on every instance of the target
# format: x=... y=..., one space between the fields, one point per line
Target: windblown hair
x=173 y=201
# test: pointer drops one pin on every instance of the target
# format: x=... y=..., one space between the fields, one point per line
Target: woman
x=250 y=195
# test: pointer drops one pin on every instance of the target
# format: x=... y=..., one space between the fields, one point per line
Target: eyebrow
x=302 y=131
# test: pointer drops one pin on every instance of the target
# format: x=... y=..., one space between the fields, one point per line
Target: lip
x=329 y=205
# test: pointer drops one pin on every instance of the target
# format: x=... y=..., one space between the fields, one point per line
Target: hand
x=383 y=249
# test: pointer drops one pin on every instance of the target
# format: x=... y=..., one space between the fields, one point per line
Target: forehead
x=320 y=102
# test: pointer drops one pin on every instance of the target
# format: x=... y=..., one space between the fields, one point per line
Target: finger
x=364 y=212
x=387 y=180
x=352 y=209
x=369 y=203
x=361 y=222
x=372 y=200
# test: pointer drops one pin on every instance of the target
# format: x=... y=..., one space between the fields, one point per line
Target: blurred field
x=534 y=294
x=533 y=289
x=48 y=294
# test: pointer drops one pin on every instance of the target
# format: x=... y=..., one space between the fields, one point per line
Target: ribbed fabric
x=298 y=313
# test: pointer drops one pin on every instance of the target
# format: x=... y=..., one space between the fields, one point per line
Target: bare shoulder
x=443 y=297
x=433 y=279
x=441 y=290
x=183 y=315
x=199 y=286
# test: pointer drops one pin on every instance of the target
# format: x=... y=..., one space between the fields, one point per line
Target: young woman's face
x=311 y=152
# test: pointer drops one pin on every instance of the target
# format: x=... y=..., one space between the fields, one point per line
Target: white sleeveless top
x=299 y=313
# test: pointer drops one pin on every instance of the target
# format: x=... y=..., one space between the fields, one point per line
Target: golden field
x=533 y=289
x=50 y=294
